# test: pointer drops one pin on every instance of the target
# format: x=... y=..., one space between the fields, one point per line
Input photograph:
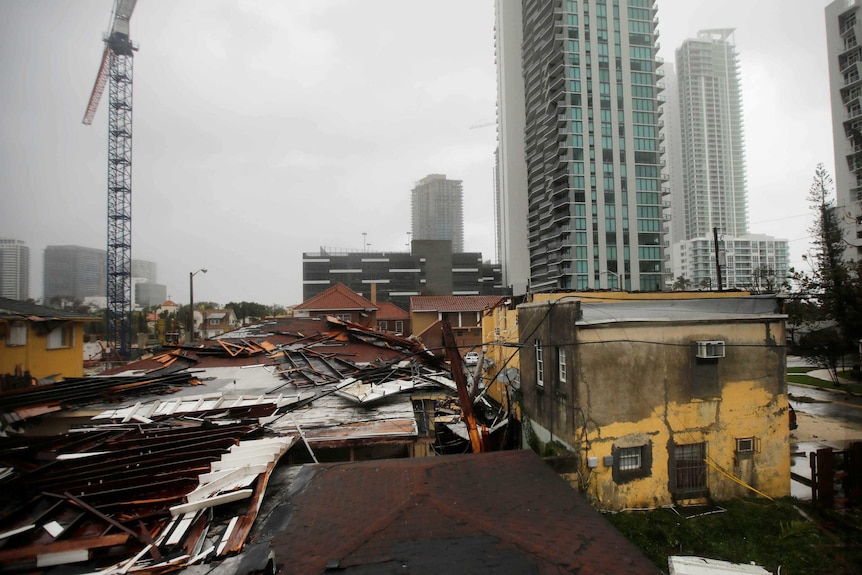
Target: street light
x=620 y=280
x=192 y=303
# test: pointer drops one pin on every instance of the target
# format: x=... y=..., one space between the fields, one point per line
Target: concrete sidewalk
x=795 y=361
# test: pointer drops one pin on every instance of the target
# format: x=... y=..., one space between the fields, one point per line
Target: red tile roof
x=388 y=311
x=337 y=297
x=454 y=302
x=502 y=512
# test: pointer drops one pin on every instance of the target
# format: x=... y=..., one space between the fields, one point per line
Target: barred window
x=631 y=458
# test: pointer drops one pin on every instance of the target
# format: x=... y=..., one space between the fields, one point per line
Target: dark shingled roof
x=14 y=309
x=503 y=512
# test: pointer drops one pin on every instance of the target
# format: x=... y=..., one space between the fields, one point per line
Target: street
x=825 y=403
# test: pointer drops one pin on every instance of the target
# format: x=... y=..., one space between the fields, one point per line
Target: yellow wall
x=745 y=411
x=36 y=358
x=500 y=325
x=420 y=321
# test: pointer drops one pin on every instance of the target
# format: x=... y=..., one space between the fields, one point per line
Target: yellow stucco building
x=37 y=342
x=661 y=400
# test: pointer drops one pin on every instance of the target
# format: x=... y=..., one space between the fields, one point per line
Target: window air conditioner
x=711 y=349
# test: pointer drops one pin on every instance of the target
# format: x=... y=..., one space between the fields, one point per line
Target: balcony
x=849 y=62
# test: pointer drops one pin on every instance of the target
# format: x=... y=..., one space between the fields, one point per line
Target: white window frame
x=540 y=364
x=62 y=337
x=382 y=325
x=561 y=362
x=630 y=459
x=17 y=334
x=399 y=326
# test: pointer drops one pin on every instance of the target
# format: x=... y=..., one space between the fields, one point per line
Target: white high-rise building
x=14 y=269
x=587 y=129
x=437 y=206
x=713 y=157
x=710 y=196
x=844 y=52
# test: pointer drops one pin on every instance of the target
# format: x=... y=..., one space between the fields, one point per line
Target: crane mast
x=116 y=71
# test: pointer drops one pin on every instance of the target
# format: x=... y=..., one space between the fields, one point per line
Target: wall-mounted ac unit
x=710 y=349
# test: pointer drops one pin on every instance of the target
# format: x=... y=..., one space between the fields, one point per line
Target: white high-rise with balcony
x=844 y=52
x=712 y=181
x=14 y=269
x=713 y=157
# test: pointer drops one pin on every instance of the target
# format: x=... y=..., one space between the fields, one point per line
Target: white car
x=471 y=358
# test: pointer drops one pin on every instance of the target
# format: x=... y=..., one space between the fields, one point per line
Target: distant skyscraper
x=844 y=52
x=438 y=210
x=73 y=272
x=709 y=192
x=711 y=120
x=592 y=176
x=144 y=269
x=14 y=269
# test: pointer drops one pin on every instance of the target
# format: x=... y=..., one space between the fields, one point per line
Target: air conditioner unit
x=710 y=349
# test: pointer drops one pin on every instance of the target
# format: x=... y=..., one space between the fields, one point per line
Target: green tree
x=681 y=283
x=250 y=310
x=833 y=285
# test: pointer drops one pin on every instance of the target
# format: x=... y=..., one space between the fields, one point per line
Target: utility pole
x=717 y=259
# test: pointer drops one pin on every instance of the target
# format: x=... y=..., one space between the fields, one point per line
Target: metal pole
x=717 y=260
x=191 y=307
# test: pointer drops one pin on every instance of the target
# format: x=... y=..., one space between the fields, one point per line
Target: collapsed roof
x=163 y=463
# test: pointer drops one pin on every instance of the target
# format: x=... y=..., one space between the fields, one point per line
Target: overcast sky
x=265 y=129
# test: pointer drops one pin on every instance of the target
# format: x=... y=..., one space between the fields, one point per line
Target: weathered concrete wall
x=640 y=384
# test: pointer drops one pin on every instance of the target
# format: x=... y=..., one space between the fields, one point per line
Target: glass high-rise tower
x=590 y=129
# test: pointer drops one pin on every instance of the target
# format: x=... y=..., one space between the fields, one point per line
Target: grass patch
x=800 y=369
x=808 y=380
x=771 y=534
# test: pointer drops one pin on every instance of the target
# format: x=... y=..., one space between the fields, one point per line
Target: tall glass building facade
x=592 y=142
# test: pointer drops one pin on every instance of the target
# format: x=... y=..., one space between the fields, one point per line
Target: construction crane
x=116 y=70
